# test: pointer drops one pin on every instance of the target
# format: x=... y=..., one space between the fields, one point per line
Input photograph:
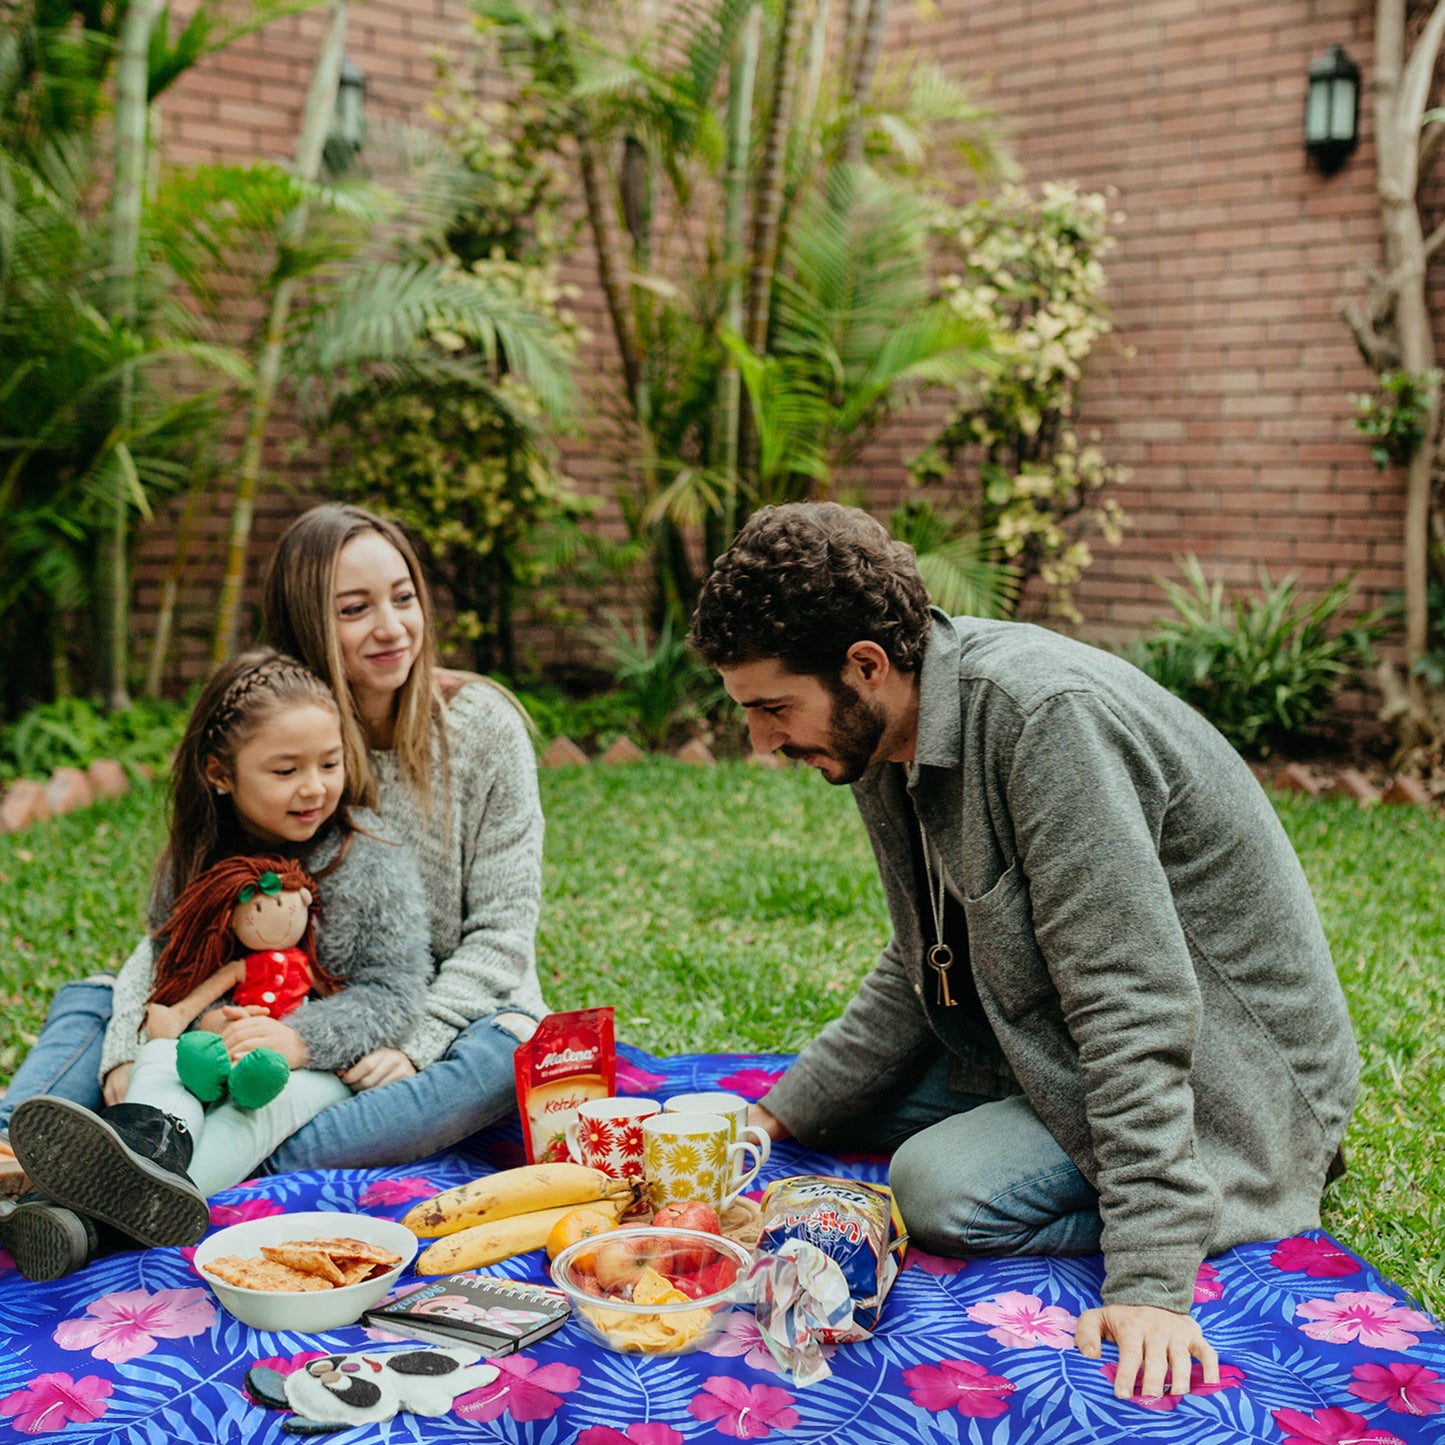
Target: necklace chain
x=940 y=955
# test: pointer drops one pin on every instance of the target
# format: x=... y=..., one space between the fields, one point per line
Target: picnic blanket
x=1317 y=1348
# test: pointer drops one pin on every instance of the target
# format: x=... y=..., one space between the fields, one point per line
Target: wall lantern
x=1332 y=109
x=348 y=119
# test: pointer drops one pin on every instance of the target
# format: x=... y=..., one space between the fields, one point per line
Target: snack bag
x=829 y=1252
x=569 y=1060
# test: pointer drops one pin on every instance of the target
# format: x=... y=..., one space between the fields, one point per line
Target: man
x=1107 y=1017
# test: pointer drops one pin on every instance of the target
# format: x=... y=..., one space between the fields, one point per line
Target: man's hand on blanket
x=380 y=1066
x=1160 y=1341
x=241 y=1035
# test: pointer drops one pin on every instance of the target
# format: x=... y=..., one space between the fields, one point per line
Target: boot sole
x=76 y=1158
x=45 y=1241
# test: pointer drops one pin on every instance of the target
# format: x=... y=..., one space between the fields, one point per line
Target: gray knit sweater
x=480 y=859
x=370 y=934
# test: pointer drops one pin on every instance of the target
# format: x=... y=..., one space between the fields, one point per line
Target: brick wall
x=1232 y=410
x=1227 y=391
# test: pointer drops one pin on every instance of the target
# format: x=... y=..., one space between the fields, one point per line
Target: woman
x=448 y=764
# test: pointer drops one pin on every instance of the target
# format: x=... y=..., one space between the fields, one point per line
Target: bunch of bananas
x=509 y=1213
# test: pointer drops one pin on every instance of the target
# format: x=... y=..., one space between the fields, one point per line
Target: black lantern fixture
x=348 y=119
x=1332 y=109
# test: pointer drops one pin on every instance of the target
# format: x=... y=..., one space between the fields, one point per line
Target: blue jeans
x=66 y=1058
x=471 y=1086
x=980 y=1176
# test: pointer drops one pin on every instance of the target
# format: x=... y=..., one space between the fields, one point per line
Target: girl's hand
x=260 y=1031
x=380 y=1066
x=116 y=1083
x=216 y=1020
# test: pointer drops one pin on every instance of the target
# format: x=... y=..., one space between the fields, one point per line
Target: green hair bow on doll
x=244 y=927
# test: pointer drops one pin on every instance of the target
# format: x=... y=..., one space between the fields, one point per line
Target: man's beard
x=856 y=726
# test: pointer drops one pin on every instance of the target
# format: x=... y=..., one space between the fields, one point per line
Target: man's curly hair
x=802 y=583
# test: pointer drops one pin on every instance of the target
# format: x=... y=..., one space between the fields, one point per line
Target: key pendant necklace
x=940 y=956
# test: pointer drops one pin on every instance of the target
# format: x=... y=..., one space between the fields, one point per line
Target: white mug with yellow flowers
x=733 y=1108
x=692 y=1156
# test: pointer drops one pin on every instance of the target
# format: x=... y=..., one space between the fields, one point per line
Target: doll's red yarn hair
x=199 y=936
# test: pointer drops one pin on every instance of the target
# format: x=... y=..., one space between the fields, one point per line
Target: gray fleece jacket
x=1148 y=958
x=371 y=933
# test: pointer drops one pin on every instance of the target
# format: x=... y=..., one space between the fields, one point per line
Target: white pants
x=228 y=1143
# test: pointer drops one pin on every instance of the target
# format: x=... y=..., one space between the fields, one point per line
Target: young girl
x=260 y=770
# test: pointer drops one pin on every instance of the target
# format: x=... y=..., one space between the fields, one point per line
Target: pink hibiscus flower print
x=751 y=1083
x=651 y=1433
x=227 y=1214
x=1231 y=1377
x=524 y=1390
x=741 y=1338
x=959 y=1385
x=743 y=1412
x=51 y=1402
x=1206 y=1285
x=1023 y=1321
x=1330 y=1426
x=632 y=1080
x=934 y=1264
x=127 y=1325
x=1318 y=1258
x=1373 y=1319
x=385 y=1192
x=1401 y=1385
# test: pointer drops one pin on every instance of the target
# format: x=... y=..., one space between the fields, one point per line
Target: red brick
x=68 y=791
x=622 y=751
x=107 y=778
x=24 y=803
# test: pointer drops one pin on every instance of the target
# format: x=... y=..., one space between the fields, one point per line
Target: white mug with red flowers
x=607 y=1135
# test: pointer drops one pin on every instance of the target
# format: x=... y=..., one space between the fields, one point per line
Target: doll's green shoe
x=203 y=1064
x=257 y=1077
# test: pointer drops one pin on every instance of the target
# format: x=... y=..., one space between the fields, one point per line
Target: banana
x=522 y=1191
x=500 y=1238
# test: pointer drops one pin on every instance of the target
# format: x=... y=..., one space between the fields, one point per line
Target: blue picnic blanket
x=1317 y=1348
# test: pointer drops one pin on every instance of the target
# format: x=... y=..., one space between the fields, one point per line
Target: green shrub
x=661 y=679
x=591 y=721
x=73 y=732
x=1264 y=670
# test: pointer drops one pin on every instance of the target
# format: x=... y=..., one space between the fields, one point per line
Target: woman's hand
x=259 y=1031
x=380 y=1066
x=770 y=1124
x=216 y=1020
x=112 y=1091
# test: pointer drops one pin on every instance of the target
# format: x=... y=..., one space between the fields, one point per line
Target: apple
x=688 y=1214
x=618 y=1262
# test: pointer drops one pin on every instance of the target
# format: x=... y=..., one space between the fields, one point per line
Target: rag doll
x=245 y=924
x=338 y=1392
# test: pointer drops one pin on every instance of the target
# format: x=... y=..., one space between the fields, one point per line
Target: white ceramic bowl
x=597 y=1275
x=304 y=1311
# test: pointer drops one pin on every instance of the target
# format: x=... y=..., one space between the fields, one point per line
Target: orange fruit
x=580 y=1223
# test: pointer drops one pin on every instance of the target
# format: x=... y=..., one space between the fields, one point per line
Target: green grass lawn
x=737 y=907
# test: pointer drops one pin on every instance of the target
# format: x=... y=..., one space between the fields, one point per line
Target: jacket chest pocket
x=1005 y=954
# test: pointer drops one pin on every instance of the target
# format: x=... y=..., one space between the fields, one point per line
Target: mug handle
x=743 y=1146
x=762 y=1139
x=574 y=1143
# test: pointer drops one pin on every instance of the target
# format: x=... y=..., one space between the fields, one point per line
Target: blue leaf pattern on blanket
x=1319 y=1347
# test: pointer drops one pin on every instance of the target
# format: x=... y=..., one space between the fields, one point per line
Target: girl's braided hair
x=235 y=701
x=199 y=934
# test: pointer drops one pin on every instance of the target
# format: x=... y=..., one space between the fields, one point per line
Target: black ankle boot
x=45 y=1239
x=125 y=1167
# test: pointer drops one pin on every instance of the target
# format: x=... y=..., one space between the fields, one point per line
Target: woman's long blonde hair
x=299 y=616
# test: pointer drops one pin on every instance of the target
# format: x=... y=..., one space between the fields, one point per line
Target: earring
x=220 y=792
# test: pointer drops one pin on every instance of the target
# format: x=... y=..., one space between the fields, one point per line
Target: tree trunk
x=860 y=79
x=316 y=122
x=1401 y=93
x=742 y=76
x=132 y=77
x=609 y=264
x=768 y=206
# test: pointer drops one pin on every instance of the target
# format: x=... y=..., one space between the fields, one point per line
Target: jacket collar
x=939 y=728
